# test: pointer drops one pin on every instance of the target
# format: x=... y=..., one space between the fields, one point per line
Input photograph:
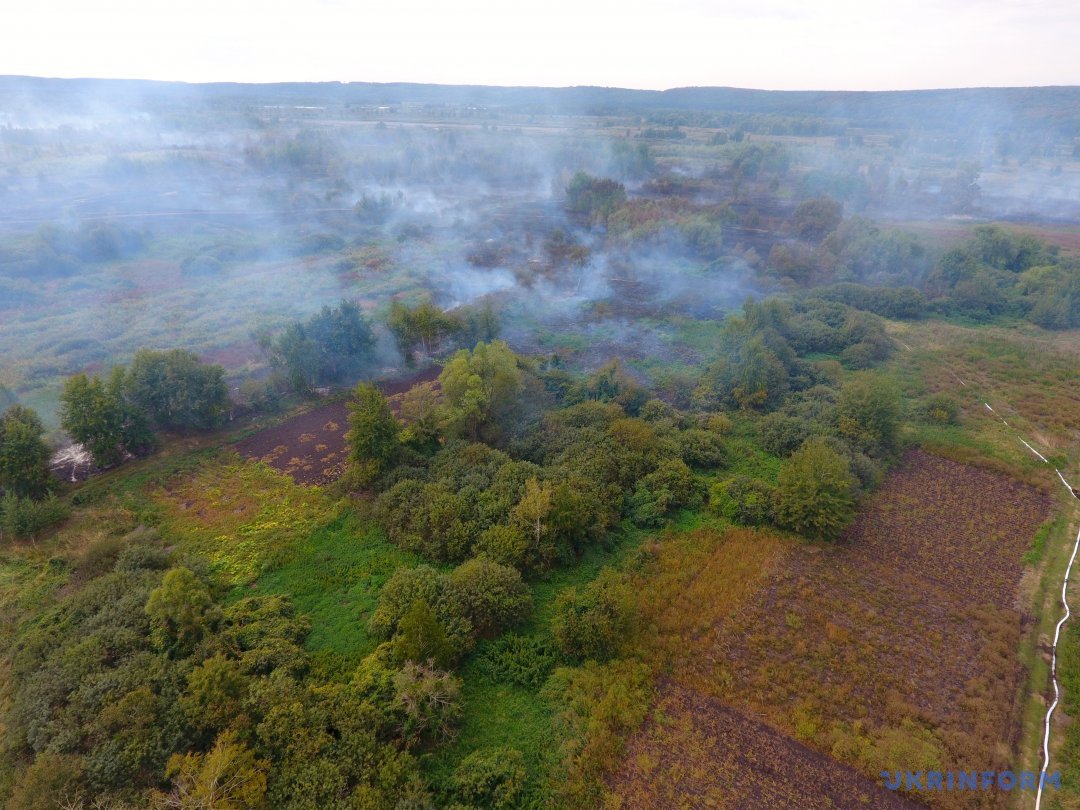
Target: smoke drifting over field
x=140 y=214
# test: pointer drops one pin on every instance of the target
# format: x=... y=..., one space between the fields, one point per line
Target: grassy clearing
x=334 y=575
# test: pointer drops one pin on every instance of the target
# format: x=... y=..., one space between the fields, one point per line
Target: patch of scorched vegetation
x=694 y=751
x=309 y=447
x=896 y=648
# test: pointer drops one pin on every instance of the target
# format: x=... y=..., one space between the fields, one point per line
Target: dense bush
x=743 y=500
x=490 y=777
x=595 y=621
x=940 y=409
x=492 y=596
x=520 y=660
x=814 y=495
x=26 y=518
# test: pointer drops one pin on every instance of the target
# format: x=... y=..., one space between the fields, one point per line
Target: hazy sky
x=775 y=44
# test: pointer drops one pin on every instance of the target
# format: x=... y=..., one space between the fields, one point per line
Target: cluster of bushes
x=593 y=199
x=834 y=444
x=606 y=453
x=762 y=353
x=114 y=417
x=429 y=616
x=830 y=249
x=141 y=687
x=333 y=345
x=1000 y=273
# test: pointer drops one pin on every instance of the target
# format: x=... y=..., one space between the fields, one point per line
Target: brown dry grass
x=893 y=649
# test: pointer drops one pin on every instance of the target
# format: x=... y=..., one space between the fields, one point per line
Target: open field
x=893 y=649
x=737 y=761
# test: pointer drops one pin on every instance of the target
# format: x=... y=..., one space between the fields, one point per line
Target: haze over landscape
x=501 y=406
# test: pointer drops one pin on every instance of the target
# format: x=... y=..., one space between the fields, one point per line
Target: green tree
x=180 y=610
x=422 y=327
x=532 y=516
x=815 y=219
x=99 y=415
x=593 y=198
x=429 y=702
x=420 y=413
x=492 y=596
x=331 y=346
x=593 y=622
x=747 y=374
x=373 y=434
x=420 y=638
x=177 y=391
x=24 y=456
x=868 y=409
x=814 y=495
x=215 y=693
x=479 y=386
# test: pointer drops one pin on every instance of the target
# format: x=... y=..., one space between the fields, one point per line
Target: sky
x=770 y=44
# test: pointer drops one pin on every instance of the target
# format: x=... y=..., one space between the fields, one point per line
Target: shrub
x=24 y=518
x=424 y=583
x=520 y=660
x=428 y=701
x=782 y=435
x=941 y=409
x=814 y=496
x=492 y=596
x=490 y=777
x=743 y=500
x=507 y=545
x=593 y=622
x=420 y=638
x=702 y=448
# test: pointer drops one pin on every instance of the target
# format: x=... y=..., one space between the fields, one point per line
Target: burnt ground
x=310 y=447
x=710 y=755
x=894 y=644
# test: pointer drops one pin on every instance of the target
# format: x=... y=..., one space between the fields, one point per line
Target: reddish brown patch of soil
x=696 y=752
x=311 y=446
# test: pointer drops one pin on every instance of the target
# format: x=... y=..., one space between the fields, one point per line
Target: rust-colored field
x=310 y=447
x=737 y=762
x=895 y=648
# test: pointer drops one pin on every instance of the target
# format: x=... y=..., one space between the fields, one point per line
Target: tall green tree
x=24 y=456
x=424 y=327
x=373 y=434
x=479 y=386
x=815 y=491
x=99 y=415
x=176 y=390
x=180 y=610
x=421 y=639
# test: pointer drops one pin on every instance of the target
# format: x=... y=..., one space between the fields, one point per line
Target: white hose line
x=1053 y=668
x=1032 y=449
x=1060 y=624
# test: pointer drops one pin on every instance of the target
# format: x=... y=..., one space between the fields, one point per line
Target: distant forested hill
x=1053 y=107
